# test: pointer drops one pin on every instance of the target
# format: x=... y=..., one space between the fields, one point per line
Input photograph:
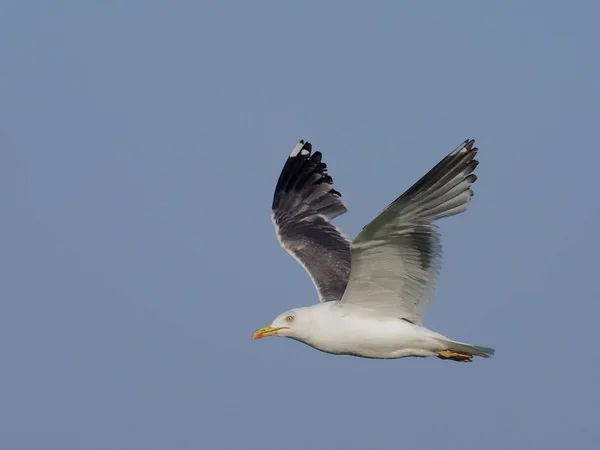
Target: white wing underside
x=396 y=258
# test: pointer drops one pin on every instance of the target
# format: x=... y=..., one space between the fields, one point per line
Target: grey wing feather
x=396 y=258
x=304 y=203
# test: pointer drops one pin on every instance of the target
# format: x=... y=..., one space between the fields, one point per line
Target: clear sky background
x=140 y=144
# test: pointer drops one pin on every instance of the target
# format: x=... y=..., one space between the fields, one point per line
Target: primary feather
x=396 y=258
x=304 y=204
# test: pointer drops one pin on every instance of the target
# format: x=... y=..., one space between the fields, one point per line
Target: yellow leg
x=455 y=356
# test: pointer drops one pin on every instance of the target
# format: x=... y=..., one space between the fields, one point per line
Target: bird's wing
x=397 y=256
x=303 y=206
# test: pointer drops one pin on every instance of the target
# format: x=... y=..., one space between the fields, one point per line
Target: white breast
x=341 y=330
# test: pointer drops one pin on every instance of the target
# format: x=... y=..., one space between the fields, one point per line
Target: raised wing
x=303 y=206
x=396 y=258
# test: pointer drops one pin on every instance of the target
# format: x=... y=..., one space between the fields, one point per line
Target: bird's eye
x=289 y=318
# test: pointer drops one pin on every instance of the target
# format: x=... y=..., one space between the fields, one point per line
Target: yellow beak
x=265 y=331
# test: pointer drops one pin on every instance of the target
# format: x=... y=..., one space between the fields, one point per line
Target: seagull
x=372 y=290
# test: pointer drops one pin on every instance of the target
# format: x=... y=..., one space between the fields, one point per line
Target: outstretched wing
x=396 y=258
x=303 y=206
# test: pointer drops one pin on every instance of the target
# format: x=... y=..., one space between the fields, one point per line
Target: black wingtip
x=302 y=150
x=305 y=174
x=307 y=146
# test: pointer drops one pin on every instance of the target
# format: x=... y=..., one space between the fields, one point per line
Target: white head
x=295 y=323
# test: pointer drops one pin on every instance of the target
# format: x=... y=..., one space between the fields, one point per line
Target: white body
x=346 y=330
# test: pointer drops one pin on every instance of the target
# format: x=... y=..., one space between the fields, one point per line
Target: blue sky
x=141 y=142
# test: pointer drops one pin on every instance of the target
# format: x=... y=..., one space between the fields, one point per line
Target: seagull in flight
x=372 y=290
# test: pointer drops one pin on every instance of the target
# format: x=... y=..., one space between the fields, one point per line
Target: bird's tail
x=459 y=351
